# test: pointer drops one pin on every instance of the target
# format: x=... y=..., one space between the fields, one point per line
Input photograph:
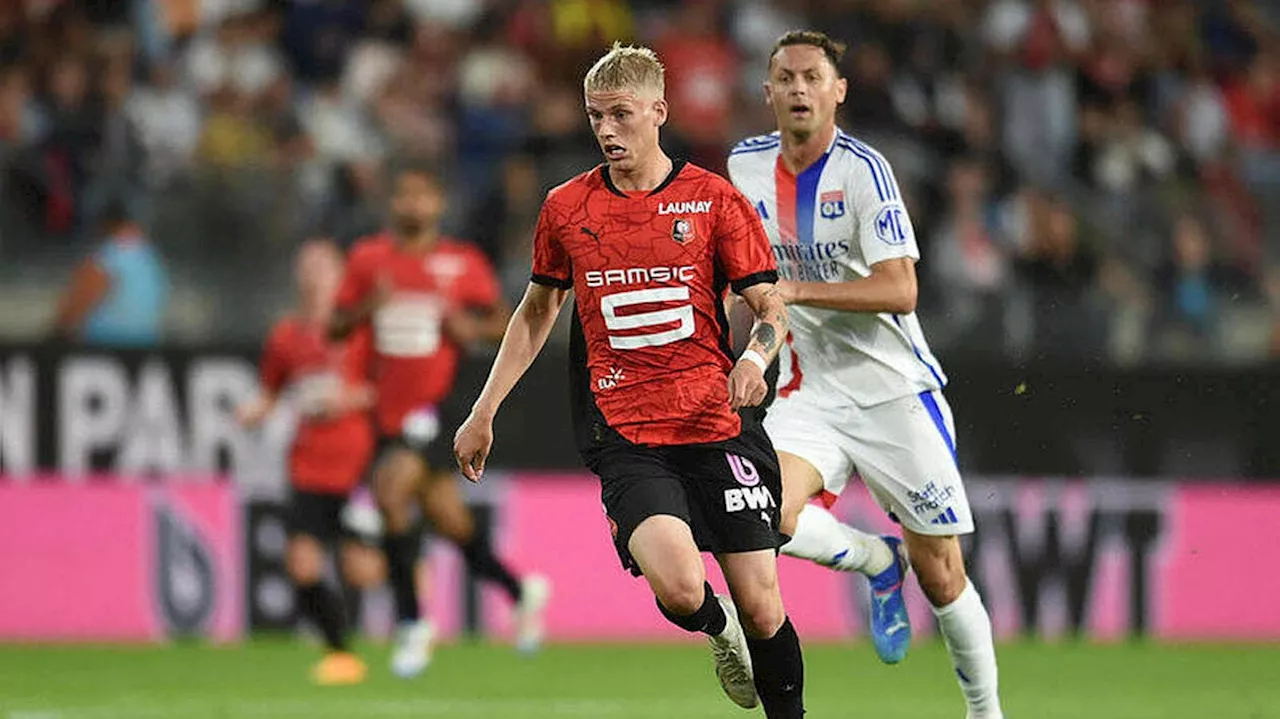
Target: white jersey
x=831 y=223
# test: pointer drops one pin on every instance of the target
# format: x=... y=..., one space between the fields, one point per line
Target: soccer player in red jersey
x=426 y=298
x=331 y=449
x=650 y=246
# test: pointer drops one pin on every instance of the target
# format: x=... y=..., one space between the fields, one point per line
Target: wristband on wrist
x=755 y=358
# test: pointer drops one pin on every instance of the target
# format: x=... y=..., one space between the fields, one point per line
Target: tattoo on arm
x=766 y=334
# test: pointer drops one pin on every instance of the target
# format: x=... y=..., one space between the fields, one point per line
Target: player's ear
x=842 y=89
x=660 y=111
x=768 y=93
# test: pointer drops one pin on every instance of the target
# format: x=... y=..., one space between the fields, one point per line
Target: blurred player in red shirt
x=333 y=445
x=426 y=298
x=649 y=246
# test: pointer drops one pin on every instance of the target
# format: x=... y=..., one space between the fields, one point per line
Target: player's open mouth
x=800 y=110
x=615 y=152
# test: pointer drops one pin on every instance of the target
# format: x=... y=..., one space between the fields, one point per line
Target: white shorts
x=903 y=449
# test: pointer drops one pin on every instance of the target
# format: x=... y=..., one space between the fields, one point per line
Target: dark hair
x=114 y=215
x=833 y=49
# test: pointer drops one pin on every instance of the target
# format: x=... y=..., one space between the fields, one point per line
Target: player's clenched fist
x=747 y=387
x=471 y=445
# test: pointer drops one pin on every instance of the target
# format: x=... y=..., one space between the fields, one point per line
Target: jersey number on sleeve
x=610 y=304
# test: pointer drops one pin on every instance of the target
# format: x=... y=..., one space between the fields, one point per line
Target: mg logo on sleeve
x=892 y=225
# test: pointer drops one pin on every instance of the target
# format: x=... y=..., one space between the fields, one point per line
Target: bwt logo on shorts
x=743 y=470
x=891 y=225
x=754 y=496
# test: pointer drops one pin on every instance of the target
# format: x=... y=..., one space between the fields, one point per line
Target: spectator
x=116 y=296
x=1040 y=39
x=1061 y=275
x=701 y=63
x=121 y=159
x=257 y=120
x=869 y=105
x=231 y=139
x=1191 y=285
x=73 y=137
x=969 y=262
x=168 y=119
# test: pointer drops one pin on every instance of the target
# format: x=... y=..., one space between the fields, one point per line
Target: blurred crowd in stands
x=1091 y=180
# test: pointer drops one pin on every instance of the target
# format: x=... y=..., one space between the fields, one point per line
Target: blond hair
x=626 y=67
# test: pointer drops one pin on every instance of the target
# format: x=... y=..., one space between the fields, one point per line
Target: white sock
x=821 y=538
x=965 y=626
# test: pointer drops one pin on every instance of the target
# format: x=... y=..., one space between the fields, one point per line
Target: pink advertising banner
x=1101 y=558
x=120 y=561
x=1052 y=557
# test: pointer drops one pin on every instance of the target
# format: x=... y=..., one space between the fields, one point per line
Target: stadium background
x=1095 y=184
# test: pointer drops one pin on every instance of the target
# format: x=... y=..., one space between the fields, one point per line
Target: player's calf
x=772 y=642
x=317 y=602
x=963 y=621
x=663 y=547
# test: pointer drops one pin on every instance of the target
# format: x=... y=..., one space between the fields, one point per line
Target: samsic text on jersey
x=649 y=271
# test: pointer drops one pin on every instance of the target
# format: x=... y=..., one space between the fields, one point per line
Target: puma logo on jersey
x=699 y=207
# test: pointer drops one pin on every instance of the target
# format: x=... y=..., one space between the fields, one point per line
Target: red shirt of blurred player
x=428 y=281
x=334 y=440
x=649 y=272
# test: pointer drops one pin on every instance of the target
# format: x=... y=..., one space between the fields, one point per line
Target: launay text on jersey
x=684 y=208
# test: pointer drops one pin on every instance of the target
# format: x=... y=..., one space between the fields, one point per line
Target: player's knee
x=363 y=567
x=304 y=561
x=941 y=587
x=681 y=593
x=791 y=508
x=448 y=514
x=761 y=613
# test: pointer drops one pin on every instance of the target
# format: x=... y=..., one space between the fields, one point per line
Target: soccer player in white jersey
x=859 y=391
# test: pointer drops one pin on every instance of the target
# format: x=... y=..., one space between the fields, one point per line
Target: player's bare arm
x=88 y=287
x=891 y=287
x=353 y=398
x=252 y=413
x=747 y=386
x=525 y=336
x=345 y=320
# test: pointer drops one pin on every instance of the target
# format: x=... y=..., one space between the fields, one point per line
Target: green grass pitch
x=268 y=678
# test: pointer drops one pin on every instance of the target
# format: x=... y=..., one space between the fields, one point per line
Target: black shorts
x=437 y=454
x=432 y=441
x=729 y=493
x=317 y=514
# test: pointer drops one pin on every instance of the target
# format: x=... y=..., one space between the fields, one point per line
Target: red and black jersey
x=329 y=454
x=416 y=361
x=650 y=271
